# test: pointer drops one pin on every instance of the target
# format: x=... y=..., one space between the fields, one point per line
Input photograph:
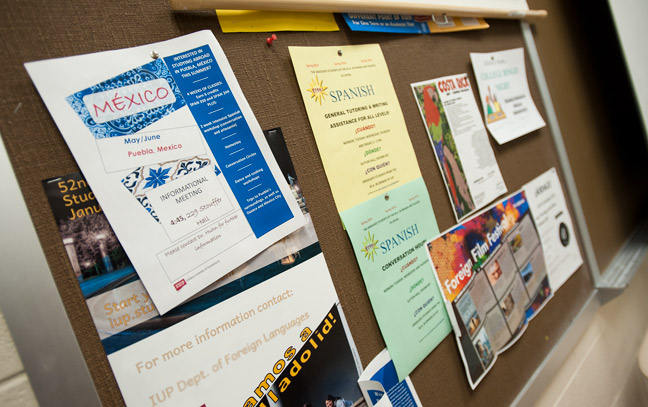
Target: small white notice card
x=509 y=110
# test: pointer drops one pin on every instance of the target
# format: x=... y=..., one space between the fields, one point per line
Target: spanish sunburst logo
x=317 y=90
x=370 y=245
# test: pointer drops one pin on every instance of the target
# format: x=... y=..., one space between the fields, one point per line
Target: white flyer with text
x=555 y=227
x=175 y=156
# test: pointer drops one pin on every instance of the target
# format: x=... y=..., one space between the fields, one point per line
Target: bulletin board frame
x=58 y=344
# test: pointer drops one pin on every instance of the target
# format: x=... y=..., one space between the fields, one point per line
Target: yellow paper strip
x=268 y=21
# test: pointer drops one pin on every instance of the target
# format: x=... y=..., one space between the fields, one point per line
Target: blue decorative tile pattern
x=129 y=124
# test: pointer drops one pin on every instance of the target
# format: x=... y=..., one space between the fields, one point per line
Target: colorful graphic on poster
x=460 y=143
x=322 y=370
x=445 y=148
x=175 y=157
x=494 y=110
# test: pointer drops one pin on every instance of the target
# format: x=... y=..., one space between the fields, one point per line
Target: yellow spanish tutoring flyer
x=356 y=119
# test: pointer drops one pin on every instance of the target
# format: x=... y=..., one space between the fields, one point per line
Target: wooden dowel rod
x=358 y=6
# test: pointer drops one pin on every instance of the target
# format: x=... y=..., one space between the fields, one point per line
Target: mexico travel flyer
x=378 y=190
x=114 y=294
x=175 y=156
x=460 y=142
x=496 y=273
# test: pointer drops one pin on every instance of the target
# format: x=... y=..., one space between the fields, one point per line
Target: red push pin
x=270 y=40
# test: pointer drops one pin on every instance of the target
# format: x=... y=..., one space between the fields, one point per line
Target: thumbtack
x=445 y=19
x=155 y=55
x=386 y=197
x=270 y=39
x=340 y=52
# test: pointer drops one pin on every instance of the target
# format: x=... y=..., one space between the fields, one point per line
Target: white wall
x=631 y=19
x=602 y=370
x=15 y=390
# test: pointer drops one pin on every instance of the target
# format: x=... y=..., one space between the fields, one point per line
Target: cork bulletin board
x=49 y=29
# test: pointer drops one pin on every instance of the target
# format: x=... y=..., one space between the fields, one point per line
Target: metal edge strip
x=628 y=259
x=570 y=183
x=545 y=372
